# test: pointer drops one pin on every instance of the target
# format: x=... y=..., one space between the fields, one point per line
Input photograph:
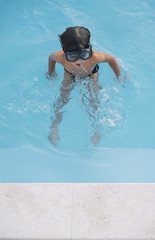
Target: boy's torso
x=80 y=68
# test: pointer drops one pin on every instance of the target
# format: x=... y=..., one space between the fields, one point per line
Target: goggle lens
x=71 y=57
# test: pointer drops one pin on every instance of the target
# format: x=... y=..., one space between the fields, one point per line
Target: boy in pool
x=77 y=57
x=81 y=61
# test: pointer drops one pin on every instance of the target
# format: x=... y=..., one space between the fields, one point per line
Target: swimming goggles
x=84 y=54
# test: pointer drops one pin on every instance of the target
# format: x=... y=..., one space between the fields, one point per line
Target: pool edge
x=77 y=211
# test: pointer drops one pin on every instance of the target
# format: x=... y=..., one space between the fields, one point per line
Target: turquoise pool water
x=123 y=149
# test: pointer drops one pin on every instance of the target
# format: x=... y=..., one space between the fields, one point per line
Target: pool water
x=106 y=133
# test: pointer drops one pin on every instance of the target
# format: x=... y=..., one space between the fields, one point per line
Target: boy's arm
x=112 y=63
x=51 y=64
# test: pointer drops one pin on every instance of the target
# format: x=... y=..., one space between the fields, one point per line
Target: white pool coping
x=77 y=211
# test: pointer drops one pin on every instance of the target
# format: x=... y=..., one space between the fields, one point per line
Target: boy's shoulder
x=100 y=56
x=58 y=56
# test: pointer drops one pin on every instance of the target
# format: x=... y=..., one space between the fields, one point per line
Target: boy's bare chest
x=79 y=68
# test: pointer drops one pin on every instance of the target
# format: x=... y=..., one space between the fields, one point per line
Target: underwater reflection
x=89 y=102
x=105 y=106
x=63 y=99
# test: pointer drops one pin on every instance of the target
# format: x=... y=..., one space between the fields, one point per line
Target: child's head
x=75 y=39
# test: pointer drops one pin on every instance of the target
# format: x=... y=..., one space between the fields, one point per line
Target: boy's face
x=79 y=62
x=79 y=57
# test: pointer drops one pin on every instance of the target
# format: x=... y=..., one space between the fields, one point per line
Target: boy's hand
x=119 y=76
x=53 y=76
x=48 y=76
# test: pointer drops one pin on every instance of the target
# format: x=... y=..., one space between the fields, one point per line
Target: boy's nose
x=79 y=60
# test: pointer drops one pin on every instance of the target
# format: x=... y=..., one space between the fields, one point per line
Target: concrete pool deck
x=77 y=211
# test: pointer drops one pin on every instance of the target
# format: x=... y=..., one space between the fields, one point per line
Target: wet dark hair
x=75 y=39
